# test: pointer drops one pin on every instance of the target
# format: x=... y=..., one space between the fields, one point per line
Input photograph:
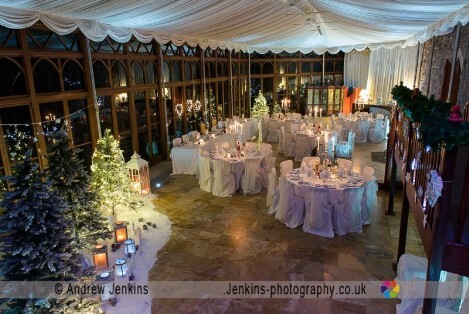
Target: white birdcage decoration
x=139 y=174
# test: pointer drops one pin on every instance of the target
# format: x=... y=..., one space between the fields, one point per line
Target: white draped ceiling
x=249 y=25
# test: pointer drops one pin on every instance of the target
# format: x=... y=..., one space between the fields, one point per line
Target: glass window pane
x=73 y=76
x=268 y=88
x=176 y=72
x=143 y=143
x=122 y=112
x=105 y=113
x=151 y=72
x=118 y=75
x=154 y=107
x=16 y=115
x=125 y=142
x=12 y=80
x=166 y=72
x=140 y=109
x=155 y=141
x=46 y=77
x=50 y=112
x=137 y=74
x=79 y=121
x=101 y=76
x=86 y=154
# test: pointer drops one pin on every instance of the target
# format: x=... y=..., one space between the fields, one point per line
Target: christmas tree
x=260 y=107
x=70 y=179
x=276 y=108
x=258 y=111
x=36 y=242
x=109 y=177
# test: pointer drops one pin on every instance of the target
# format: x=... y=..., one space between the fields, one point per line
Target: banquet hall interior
x=196 y=143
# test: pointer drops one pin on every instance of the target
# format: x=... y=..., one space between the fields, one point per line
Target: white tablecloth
x=184 y=158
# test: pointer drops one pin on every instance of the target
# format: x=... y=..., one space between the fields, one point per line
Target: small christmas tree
x=69 y=178
x=258 y=111
x=36 y=242
x=109 y=177
x=276 y=108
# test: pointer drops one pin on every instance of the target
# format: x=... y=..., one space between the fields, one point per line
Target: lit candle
x=320 y=113
x=315 y=112
x=333 y=140
x=318 y=143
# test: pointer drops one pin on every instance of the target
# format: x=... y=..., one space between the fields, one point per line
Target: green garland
x=437 y=131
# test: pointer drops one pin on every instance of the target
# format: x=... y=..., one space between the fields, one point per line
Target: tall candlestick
x=318 y=144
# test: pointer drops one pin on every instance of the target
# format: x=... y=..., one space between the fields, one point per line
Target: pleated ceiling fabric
x=248 y=25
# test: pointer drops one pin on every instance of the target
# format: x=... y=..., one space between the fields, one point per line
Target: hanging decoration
x=189 y=106
x=197 y=106
x=407 y=177
x=179 y=110
x=258 y=111
x=434 y=187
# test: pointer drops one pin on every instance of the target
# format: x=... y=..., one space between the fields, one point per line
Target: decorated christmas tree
x=276 y=108
x=36 y=240
x=258 y=111
x=70 y=179
x=109 y=177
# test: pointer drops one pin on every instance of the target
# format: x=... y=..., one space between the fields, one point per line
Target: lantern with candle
x=120 y=231
x=100 y=257
x=139 y=174
x=121 y=267
x=130 y=247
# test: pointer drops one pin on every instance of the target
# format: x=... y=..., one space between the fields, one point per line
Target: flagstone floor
x=234 y=239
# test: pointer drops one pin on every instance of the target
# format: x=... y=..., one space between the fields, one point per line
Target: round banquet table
x=326 y=201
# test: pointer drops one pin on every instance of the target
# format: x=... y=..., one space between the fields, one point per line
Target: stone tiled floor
x=235 y=239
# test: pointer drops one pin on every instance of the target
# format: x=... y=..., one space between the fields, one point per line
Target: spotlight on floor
x=158 y=185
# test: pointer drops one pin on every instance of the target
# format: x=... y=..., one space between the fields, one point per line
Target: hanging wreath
x=179 y=110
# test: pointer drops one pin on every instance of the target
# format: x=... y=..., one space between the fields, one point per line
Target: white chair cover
x=185 y=138
x=272 y=188
x=287 y=142
x=266 y=148
x=303 y=146
x=251 y=145
x=376 y=131
x=345 y=163
x=251 y=180
x=266 y=165
x=214 y=128
x=224 y=184
x=346 y=215
x=341 y=115
x=361 y=131
x=290 y=208
x=380 y=116
x=345 y=148
x=194 y=134
x=281 y=137
x=220 y=124
x=294 y=127
x=318 y=219
x=285 y=167
x=177 y=142
x=205 y=175
x=273 y=131
x=369 y=201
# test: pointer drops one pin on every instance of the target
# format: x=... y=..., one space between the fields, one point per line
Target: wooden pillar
x=162 y=103
x=416 y=65
x=231 y=88
x=392 y=186
x=249 y=83
x=204 y=88
x=131 y=100
x=430 y=66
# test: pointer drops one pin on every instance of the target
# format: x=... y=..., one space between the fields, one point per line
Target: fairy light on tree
x=258 y=111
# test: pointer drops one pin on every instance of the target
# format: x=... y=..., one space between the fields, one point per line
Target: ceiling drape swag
x=247 y=25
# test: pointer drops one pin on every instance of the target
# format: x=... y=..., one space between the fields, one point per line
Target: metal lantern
x=130 y=247
x=139 y=174
x=120 y=231
x=100 y=257
x=121 y=267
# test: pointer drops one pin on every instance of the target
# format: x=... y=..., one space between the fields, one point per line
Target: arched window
x=317 y=67
x=212 y=72
x=12 y=80
x=339 y=66
x=267 y=68
x=196 y=71
x=219 y=69
x=150 y=71
x=292 y=67
x=235 y=68
x=281 y=68
x=176 y=72
x=118 y=75
x=46 y=77
x=73 y=76
x=305 y=67
x=187 y=71
x=255 y=68
x=166 y=72
x=225 y=69
x=138 y=76
x=101 y=75
x=329 y=66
